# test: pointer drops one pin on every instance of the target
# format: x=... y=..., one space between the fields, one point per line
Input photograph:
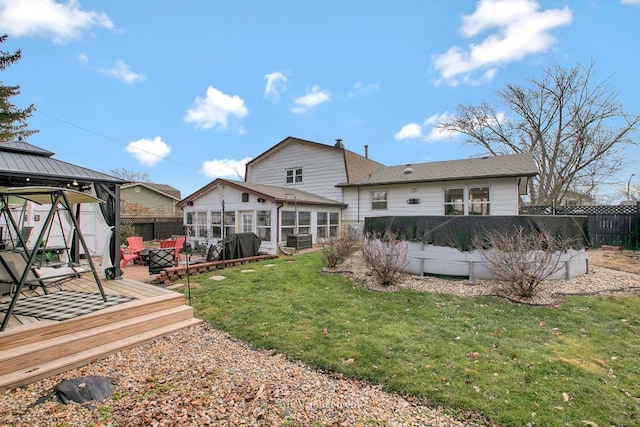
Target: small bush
x=334 y=251
x=386 y=255
x=348 y=243
x=522 y=259
x=330 y=254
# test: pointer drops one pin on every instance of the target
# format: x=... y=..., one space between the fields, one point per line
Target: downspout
x=278 y=243
x=280 y=205
x=358 y=214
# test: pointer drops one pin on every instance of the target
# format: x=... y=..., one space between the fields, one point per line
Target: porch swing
x=20 y=263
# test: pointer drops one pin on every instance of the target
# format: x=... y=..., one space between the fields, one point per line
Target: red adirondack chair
x=127 y=255
x=134 y=245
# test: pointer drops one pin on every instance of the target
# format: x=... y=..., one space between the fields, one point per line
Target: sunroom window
x=327 y=225
x=216 y=224
x=263 y=227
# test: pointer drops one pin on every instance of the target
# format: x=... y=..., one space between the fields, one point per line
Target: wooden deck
x=32 y=349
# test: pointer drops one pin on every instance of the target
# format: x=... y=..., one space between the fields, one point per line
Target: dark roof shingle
x=521 y=164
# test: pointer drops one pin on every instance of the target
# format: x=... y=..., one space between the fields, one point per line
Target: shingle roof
x=267 y=192
x=516 y=165
x=165 y=189
x=19 y=158
x=358 y=166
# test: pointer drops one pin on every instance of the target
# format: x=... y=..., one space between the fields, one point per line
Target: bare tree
x=571 y=123
x=129 y=175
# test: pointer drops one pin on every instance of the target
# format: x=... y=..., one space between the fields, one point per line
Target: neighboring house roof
x=163 y=189
x=515 y=165
x=267 y=192
x=20 y=160
x=356 y=166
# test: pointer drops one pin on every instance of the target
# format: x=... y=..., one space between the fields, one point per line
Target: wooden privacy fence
x=616 y=225
x=155 y=228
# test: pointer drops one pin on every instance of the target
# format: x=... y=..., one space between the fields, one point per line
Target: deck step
x=20 y=377
x=21 y=357
x=47 y=329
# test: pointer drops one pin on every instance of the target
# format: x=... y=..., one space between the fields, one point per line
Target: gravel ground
x=599 y=280
x=201 y=376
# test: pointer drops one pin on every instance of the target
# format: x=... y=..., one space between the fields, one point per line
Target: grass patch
x=514 y=364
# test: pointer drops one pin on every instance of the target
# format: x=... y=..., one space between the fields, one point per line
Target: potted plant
x=47 y=256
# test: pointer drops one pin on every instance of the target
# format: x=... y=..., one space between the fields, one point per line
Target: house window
x=479 y=201
x=466 y=201
x=190 y=222
x=201 y=224
x=294 y=176
x=327 y=225
x=216 y=225
x=304 y=222
x=287 y=224
x=454 y=201
x=263 y=227
x=378 y=200
x=229 y=223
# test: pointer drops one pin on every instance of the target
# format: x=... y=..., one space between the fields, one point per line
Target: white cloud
x=275 y=85
x=360 y=88
x=225 y=168
x=120 y=70
x=410 y=131
x=215 y=109
x=436 y=134
x=631 y=2
x=312 y=98
x=149 y=152
x=417 y=130
x=46 y=18
x=519 y=29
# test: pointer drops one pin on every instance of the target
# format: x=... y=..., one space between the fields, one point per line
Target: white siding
x=322 y=169
x=503 y=195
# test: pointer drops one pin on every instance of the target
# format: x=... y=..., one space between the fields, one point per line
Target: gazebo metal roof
x=23 y=164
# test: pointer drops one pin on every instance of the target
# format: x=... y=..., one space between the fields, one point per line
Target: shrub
x=330 y=254
x=522 y=259
x=334 y=251
x=348 y=243
x=386 y=255
x=126 y=230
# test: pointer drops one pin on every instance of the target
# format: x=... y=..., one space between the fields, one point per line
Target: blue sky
x=189 y=91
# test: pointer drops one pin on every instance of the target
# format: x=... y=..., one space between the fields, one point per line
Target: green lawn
x=513 y=364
